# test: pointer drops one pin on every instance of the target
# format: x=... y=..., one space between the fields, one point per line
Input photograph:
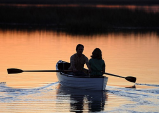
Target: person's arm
x=104 y=66
x=88 y=66
x=72 y=64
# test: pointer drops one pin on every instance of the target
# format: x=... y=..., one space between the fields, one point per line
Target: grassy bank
x=113 y=2
x=76 y=18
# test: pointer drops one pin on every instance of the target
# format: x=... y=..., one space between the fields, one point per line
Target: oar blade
x=131 y=79
x=14 y=71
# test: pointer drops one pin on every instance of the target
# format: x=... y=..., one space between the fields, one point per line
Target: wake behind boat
x=67 y=79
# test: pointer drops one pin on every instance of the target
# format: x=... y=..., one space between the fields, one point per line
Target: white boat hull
x=67 y=80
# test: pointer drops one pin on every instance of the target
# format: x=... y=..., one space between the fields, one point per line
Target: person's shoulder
x=73 y=55
x=100 y=60
x=94 y=60
x=90 y=59
x=84 y=56
x=103 y=61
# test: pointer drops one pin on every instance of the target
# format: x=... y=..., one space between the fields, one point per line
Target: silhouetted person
x=78 y=60
x=96 y=63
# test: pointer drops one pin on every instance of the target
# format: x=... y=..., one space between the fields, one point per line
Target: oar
x=128 y=78
x=15 y=71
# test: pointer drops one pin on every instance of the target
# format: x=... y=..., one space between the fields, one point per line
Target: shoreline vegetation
x=90 y=2
x=77 y=19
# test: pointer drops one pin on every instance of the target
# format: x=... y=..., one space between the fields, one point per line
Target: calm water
x=125 y=54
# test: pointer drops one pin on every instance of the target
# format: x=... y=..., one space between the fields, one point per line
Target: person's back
x=97 y=64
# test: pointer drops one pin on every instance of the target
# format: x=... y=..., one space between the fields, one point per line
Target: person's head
x=97 y=54
x=79 y=49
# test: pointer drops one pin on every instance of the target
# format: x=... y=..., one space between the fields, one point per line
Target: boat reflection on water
x=83 y=100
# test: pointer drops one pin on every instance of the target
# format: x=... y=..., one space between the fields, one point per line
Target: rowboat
x=67 y=79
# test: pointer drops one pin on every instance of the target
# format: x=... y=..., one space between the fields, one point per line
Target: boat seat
x=66 y=65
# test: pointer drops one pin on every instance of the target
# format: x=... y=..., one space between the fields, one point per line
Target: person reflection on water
x=78 y=60
x=97 y=64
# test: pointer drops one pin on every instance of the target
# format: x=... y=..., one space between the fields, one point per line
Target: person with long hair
x=96 y=63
